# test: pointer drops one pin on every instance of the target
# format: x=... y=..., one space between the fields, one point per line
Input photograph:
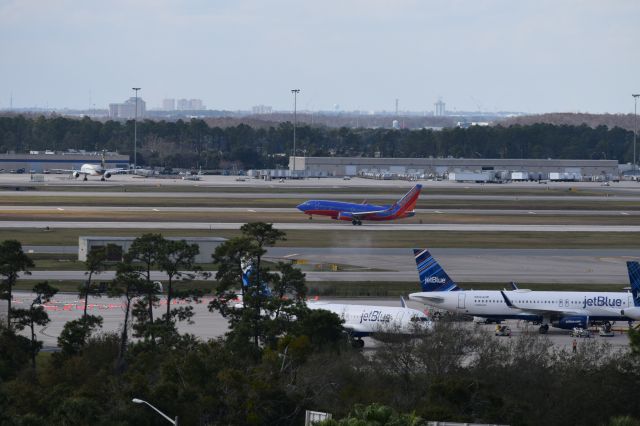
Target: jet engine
x=75 y=174
x=633 y=313
x=107 y=175
x=345 y=216
x=568 y=323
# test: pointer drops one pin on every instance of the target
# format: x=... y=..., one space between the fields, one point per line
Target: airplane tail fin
x=408 y=200
x=432 y=276
x=634 y=278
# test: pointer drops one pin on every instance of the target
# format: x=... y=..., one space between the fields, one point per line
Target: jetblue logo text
x=434 y=280
x=602 y=301
x=374 y=316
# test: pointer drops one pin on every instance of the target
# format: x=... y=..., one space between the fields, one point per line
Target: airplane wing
x=69 y=171
x=422 y=297
x=363 y=215
x=116 y=171
x=540 y=311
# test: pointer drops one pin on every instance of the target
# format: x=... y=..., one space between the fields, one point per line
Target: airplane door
x=461 y=296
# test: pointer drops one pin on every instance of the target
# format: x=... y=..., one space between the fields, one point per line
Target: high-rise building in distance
x=168 y=104
x=127 y=109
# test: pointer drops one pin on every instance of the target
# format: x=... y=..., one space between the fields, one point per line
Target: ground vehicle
x=503 y=330
x=580 y=332
x=605 y=330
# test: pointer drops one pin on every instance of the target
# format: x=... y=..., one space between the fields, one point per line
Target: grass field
x=309 y=187
x=562 y=203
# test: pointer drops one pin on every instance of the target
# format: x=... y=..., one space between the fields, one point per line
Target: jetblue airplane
x=358 y=320
x=364 y=320
x=561 y=309
x=356 y=213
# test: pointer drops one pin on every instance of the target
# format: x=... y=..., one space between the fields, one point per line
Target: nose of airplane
x=302 y=207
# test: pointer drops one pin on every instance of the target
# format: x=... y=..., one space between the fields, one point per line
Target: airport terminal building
x=533 y=169
x=43 y=161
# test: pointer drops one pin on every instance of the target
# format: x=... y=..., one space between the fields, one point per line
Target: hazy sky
x=517 y=55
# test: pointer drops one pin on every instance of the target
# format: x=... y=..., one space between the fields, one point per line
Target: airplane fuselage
x=363 y=320
x=92 y=169
x=531 y=305
x=341 y=210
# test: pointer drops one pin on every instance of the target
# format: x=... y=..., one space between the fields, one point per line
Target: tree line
x=280 y=358
x=193 y=144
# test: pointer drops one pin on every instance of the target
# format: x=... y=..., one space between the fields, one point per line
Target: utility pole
x=635 y=130
x=135 y=135
x=295 y=123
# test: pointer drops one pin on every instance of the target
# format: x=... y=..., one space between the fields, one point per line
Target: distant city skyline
x=352 y=55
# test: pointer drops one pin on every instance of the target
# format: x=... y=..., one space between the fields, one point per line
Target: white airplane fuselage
x=533 y=305
x=363 y=320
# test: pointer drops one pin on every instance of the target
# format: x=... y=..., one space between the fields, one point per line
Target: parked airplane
x=364 y=320
x=359 y=320
x=93 y=170
x=356 y=213
x=561 y=309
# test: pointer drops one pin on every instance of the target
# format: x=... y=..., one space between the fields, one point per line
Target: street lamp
x=295 y=122
x=135 y=134
x=139 y=401
x=635 y=129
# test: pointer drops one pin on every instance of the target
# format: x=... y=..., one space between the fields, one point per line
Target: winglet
x=514 y=286
x=506 y=299
x=402 y=302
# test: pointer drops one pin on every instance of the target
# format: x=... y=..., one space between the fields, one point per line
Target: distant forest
x=192 y=144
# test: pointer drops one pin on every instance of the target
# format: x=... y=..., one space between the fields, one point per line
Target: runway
x=355 y=196
x=322 y=226
x=271 y=210
x=554 y=266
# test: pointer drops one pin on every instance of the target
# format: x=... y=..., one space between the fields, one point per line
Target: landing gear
x=102 y=179
x=85 y=178
x=544 y=328
x=310 y=217
x=356 y=222
x=357 y=343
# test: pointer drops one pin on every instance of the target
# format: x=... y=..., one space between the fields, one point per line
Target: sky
x=531 y=56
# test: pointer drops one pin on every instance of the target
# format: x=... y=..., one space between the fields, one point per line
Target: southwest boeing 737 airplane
x=356 y=213
x=561 y=309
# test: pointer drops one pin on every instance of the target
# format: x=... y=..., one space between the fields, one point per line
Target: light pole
x=635 y=129
x=135 y=134
x=295 y=122
x=139 y=401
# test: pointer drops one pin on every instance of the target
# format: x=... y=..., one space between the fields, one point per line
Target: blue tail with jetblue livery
x=432 y=276
x=634 y=278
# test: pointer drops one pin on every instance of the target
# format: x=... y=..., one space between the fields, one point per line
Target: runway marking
x=532 y=212
x=438 y=212
x=156 y=210
x=624 y=213
x=61 y=209
x=251 y=210
x=291 y=255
